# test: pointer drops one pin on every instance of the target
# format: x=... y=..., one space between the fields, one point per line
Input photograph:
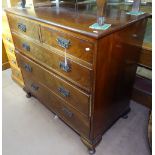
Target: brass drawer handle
x=134 y=35
x=63 y=92
x=27 y=67
x=11 y=50
x=17 y=74
x=63 y=42
x=26 y=46
x=67 y=112
x=8 y=39
x=34 y=87
x=22 y=27
x=13 y=61
x=66 y=68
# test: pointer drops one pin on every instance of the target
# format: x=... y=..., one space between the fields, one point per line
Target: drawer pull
x=11 y=50
x=63 y=92
x=87 y=49
x=34 y=87
x=65 y=67
x=13 y=61
x=26 y=46
x=27 y=67
x=8 y=39
x=134 y=35
x=22 y=27
x=17 y=74
x=67 y=112
x=63 y=42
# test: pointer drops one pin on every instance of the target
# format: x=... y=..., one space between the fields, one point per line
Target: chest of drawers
x=92 y=90
x=9 y=47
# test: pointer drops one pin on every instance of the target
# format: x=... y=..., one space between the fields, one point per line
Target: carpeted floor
x=30 y=129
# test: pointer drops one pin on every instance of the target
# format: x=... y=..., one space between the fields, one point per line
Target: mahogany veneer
x=94 y=89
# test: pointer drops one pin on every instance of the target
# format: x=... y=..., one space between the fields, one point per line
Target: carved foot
x=91 y=144
x=56 y=117
x=28 y=95
x=91 y=151
x=125 y=114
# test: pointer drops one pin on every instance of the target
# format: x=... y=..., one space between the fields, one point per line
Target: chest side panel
x=117 y=57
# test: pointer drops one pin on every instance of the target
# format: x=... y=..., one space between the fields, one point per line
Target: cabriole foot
x=125 y=114
x=91 y=151
x=28 y=95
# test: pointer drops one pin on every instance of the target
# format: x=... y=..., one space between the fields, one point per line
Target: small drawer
x=12 y=60
x=16 y=73
x=73 y=71
x=72 y=95
x=70 y=116
x=79 y=48
x=24 y=26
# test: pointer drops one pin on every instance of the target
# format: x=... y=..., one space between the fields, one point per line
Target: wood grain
x=80 y=75
x=76 y=98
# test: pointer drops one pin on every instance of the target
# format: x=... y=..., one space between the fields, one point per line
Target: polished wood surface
x=72 y=20
x=54 y=83
x=78 y=74
x=113 y=89
x=77 y=47
x=71 y=116
x=24 y=26
x=98 y=89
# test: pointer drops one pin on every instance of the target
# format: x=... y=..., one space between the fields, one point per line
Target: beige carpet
x=30 y=129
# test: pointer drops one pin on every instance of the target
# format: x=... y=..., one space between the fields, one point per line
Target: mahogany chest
x=84 y=76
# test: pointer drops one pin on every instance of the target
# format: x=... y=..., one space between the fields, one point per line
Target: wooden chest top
x=77 y=22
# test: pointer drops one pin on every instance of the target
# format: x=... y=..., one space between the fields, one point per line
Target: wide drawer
x=24 y=26
x=71 y=116
x=73 y=71
x=74 y=96
x=75 y=46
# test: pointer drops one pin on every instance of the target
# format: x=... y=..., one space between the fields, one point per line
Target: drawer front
x=77 y=47
x=24 y=26
x=73 y=71
x=16 y=73
x=72 y=117
x=69 y=93
x=12 y=60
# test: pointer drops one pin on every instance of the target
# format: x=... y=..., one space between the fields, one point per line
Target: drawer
x=70 y=116
x=24 y=26
x=12 y=60
x=74 y=96
x=16 y=73
x=79 y=48
x=73 y=72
